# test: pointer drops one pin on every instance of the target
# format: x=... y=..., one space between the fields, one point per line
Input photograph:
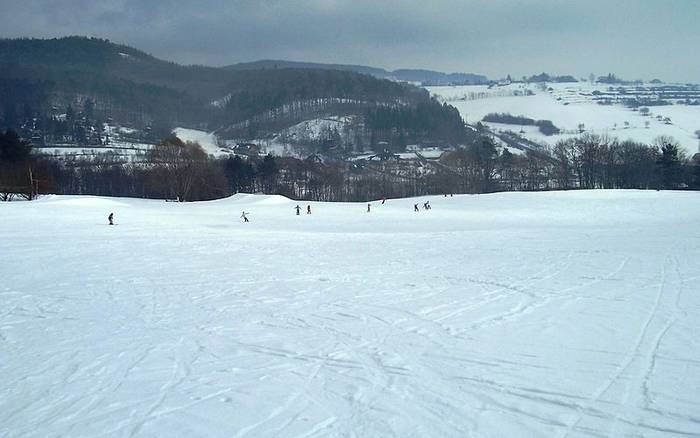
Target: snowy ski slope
x=562 y=314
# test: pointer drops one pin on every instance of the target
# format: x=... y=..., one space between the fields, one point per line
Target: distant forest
x=424 y=77
x=183 y=171
x=41 y=79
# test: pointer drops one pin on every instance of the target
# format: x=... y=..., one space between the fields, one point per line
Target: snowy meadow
x=559 y=314
x=570 y=105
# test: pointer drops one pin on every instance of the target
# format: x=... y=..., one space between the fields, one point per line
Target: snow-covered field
x=474 y=102
x=507 y=315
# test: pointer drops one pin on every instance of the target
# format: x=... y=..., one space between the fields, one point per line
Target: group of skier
x=244 y=214
x=298 y=209
x=426 y=206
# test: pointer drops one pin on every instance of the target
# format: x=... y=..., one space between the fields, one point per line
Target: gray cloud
x=634 y=38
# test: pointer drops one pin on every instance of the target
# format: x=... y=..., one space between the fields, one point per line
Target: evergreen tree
x=696 y=174
x=267 y=171
x=670 y=166
x=12 y=148
x=239 y=174
x=505 y=167
x=70 y=114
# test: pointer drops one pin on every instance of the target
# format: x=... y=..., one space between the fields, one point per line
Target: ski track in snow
x=516 y=314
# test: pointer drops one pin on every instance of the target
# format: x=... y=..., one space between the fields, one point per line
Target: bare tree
x=176 y=164
x=564 y=155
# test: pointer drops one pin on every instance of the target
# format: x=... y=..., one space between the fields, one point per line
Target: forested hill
x=40 y=79
x=126 y=84
x=58 y=59
x=428 y=77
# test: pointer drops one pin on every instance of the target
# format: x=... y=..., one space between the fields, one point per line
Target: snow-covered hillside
x=507 y=315
x=206 y=140
x=567 y=106
x=294 y=141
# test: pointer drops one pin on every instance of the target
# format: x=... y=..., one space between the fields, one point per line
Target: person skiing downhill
x=368 y=207
x=111 y=218
x=244 y=217
x=415 y=207
x=298 y=209
x=426 y=205
x=308 y=209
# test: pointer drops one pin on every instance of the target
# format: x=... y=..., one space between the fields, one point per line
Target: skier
x=426 y=205
x=415 y=207
x=308 y=209
x=383 y=201
x=111 y=218
x=298 y=209
x=244 y=217
x=368 y=207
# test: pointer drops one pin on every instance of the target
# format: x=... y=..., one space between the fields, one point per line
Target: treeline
x=592 y=161
x=544 y=77
x=204 y=178
x=183 y=171
x=587 y=162
x=546 y=127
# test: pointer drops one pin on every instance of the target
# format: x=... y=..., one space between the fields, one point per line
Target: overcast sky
x=633 y=38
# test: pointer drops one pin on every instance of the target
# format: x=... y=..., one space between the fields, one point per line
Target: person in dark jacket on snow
x=298 y=209
x=308 y=209
x=111 y=218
